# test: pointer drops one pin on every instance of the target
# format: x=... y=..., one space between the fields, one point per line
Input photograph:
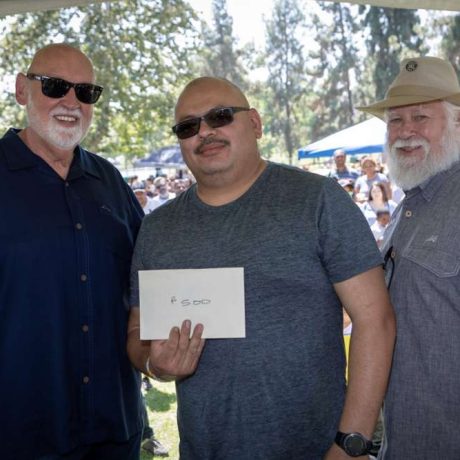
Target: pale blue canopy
x=365 y=137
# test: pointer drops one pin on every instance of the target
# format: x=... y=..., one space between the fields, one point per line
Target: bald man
x=306 y=250
x=68 y=225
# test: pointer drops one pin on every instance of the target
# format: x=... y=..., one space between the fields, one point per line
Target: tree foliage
x=390 y=32
x=318 y=63
x=220 y=56
x=286 y=69
x=451 y=42
x=140 y=50
x=336 y=70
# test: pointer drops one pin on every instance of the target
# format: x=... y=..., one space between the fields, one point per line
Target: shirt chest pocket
x=441 y=262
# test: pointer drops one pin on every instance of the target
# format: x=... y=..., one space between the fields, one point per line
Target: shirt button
x=393 y=254
x=83 y=277
x=67 y=184
x=78 y=226
x=85 y=328
x=408 y=214
x=85 y=379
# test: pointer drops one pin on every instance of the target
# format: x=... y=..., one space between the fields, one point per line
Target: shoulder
x=99 y=166
x=92 y=159
x=291 y=176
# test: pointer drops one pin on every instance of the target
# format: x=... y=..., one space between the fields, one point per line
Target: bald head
x=204 y=86
x=51 y=58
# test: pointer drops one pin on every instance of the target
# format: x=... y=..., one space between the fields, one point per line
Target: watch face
x=355 y=445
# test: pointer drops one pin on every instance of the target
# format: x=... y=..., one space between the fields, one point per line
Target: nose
x=205 y=130
x=407 y=128
x=70 y=99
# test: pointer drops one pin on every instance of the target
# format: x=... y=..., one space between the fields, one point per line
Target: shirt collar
x=431 y=185
x=19 y=156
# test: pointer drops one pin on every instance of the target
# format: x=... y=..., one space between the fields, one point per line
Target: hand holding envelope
x=171 y=300
x=178 y=356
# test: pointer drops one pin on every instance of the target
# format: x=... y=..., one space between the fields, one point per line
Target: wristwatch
x=354 y=444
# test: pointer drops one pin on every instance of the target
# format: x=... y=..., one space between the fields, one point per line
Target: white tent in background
x=365 y=137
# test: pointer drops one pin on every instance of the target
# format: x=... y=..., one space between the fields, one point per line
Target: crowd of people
x=155 y=191
x=72 y=251
x=370 y=188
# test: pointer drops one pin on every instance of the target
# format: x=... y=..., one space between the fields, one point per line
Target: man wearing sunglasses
x=68 y=390
x=278 y=393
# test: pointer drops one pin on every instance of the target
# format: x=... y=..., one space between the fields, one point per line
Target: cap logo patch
x=411 y=66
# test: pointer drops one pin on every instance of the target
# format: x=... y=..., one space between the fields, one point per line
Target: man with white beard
x=68 y=390
x=422 y=261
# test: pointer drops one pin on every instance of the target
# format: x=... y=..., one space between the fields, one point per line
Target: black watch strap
x=354 y=444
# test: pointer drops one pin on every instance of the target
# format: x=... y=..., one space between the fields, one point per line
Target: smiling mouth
x=66 y=118
x=409 y=149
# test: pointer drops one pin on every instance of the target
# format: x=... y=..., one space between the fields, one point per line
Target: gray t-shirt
x=278 y=393
x=422 y=406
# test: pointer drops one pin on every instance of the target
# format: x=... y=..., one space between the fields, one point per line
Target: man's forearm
x=138 y=350
x=371 y=350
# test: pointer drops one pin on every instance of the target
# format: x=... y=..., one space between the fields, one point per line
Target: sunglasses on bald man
x=57 y=88
x=215 y=118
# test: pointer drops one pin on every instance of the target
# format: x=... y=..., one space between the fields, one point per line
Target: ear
x=21 y=89
x=256 y=122
x=457 y=118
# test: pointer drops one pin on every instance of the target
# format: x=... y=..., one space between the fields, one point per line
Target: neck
x=58 y=159
x=377 y=203
x=222 y=191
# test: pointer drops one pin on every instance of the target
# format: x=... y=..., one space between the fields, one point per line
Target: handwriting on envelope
x=211 y=296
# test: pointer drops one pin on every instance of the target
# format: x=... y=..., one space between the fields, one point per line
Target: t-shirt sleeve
x=347 y=246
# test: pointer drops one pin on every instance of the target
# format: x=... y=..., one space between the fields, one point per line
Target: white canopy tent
x=21 y=6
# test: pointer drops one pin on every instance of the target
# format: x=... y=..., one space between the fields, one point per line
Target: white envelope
x=213 y=297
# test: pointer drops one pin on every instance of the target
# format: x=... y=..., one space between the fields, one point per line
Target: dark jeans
x=129 y=450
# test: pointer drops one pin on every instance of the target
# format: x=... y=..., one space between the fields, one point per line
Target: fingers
x=185 y=335
x=196 y=342
x=179 y=355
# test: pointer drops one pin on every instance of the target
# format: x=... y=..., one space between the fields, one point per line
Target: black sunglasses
x=57 y=87
x=215 y=118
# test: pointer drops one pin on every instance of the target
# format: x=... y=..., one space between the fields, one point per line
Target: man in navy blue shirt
x=68 y=223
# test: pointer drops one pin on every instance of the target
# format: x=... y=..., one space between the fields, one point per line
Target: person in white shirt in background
x=147 y=203
x=164 y=195
x=379 y=226
x=377 y=199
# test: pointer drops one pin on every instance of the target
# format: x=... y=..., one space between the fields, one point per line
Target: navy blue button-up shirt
x=65 y=250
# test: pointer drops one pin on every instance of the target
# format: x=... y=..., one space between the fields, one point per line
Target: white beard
x=408 y=172
x=52 y=131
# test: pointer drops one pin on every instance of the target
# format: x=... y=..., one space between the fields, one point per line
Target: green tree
x=284 y=58
x=336 y=72
x=450 y=44
x=391 y=33
x=140 y=50
x=219 y=56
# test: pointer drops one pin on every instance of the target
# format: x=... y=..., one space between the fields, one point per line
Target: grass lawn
x=161 y=407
